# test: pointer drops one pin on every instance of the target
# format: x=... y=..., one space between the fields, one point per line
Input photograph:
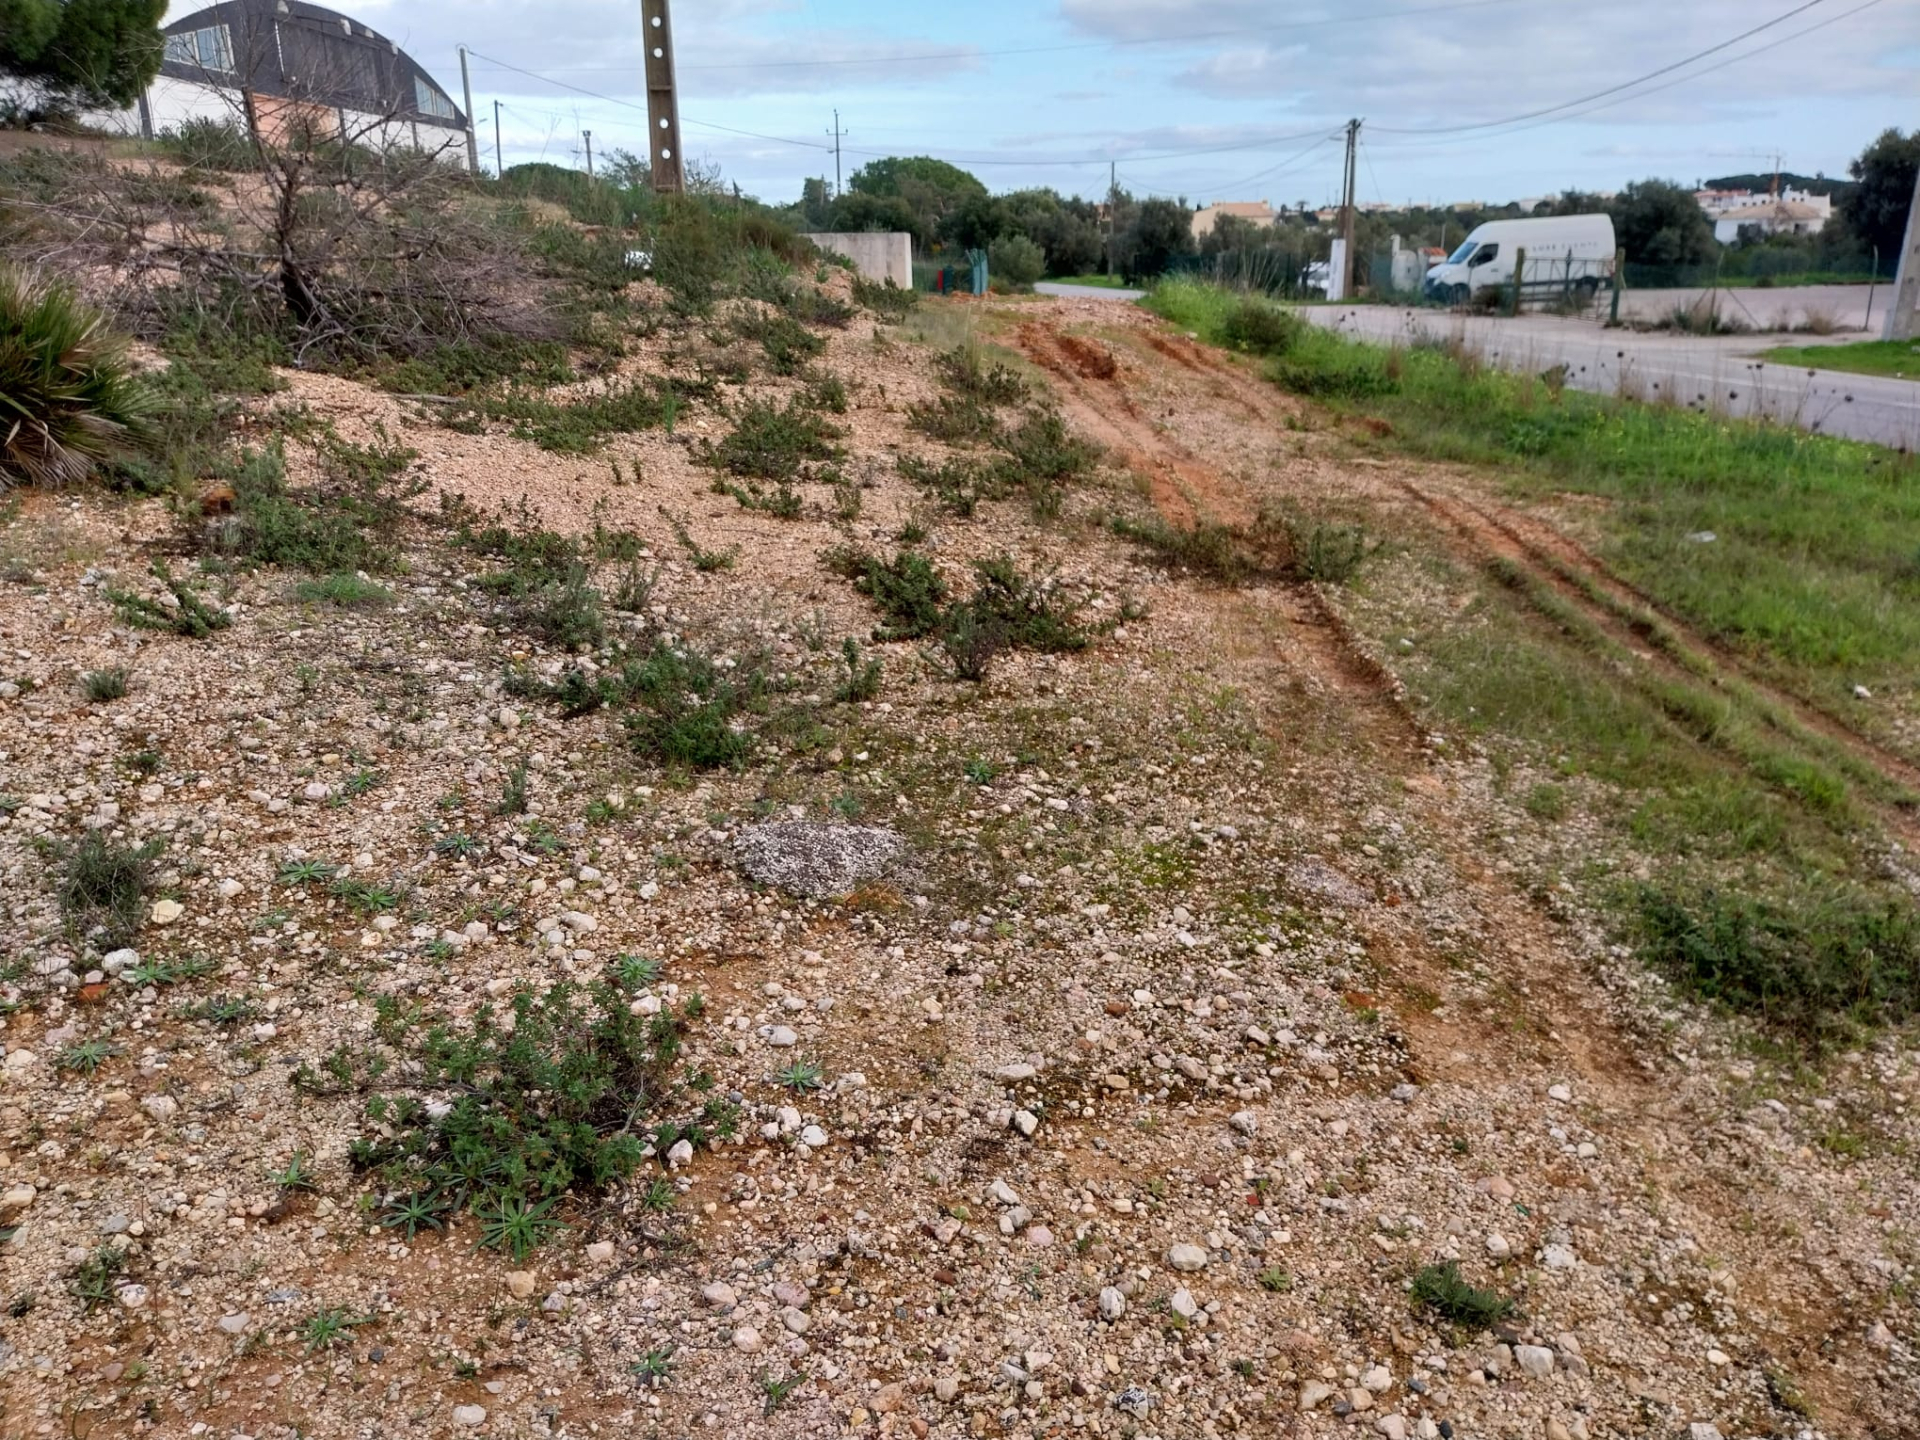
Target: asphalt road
x=1717 y=373
x=1829 y=307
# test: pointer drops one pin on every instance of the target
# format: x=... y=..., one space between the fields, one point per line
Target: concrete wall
x=877 y=256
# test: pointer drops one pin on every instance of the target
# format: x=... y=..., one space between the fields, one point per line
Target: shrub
x=965 y=370
x=1819 y=968
x=908 y=590
x=686 y=707
x=955 y=420
x=345 y=589
x=103 y=884
x=68 y=401
x=1261 y=329
x=1017 y=260
x=202 y=142
x=769 y=443
x=884 y=298
x=189 y=616
x=100 y=686
x=571 y=1099
x=1442 y=1289
x=545 y=582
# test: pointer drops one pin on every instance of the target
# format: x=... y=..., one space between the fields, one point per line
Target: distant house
x=1792 y=212
x=1254 y=212
x=278 y=62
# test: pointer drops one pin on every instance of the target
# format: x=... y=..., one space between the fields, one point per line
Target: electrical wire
x=1162 y=40
x=1610 y=90
x=1758 y=50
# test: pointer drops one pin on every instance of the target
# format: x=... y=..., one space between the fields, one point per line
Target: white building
x=274 y=63
x=1792 y=212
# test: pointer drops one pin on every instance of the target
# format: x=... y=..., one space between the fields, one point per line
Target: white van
x=1565 y=254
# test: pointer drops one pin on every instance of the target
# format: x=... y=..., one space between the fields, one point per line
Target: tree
x=59 y=56
x=1016 y=260
x=855 y=212
x=1660 y=223
x=1161 y=232
x=1576 y=202
x=626 y=170
x=931 y=189
x=1875 y=210
x=816 y=202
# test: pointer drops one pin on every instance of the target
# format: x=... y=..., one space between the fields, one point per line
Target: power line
x=957 y=53
x=1612 y=89
x=1654 y=89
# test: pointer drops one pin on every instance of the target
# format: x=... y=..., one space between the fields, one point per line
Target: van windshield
x=1459 y=257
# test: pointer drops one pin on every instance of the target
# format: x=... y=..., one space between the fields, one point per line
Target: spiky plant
x=68 y=400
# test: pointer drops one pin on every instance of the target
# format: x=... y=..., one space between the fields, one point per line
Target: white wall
x=877 y=256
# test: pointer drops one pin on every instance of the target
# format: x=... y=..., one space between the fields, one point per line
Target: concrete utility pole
x=1903 y=317
x=499 y=163
x=473 y=142
x=838 y=134
x=587 y=137
x=1346 y=212
x=1113 y=192
x=663 y=101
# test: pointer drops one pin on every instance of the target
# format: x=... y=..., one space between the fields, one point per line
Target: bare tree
x=340 y=229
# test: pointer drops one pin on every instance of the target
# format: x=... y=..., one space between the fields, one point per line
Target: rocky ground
x=1178 y=1003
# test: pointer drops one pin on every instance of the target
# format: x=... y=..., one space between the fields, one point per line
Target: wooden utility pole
x=473 y=142
x=663 y=101
x=1346 y=212
x=838 y=135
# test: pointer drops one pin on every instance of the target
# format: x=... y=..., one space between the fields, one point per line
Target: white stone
x=1379 y=1379
x=1187 y=1257
x=229 y=889
x=1313 y=1395
x=1704 y=1430
x=1394 y=1427
x=165 y=912
x=315 y=790
x=600 y=1251
x=1245 y=1121
x=235 y=1323
x=1534 y=1360
x=813 y=1137
x=782 y=1038
x=133 y=1297
x=16 y=1201
x=680 y=1154
x=747 y=1340
x=1182 y=1303
x=1559 y=1257
x=1013 y=1074
x=1498 y=1247
x=1003 y=1193
x=719 y=1295
x=1026 y=1122
x=117 y=960
x=470 y=1415
x=1112 y=1304
x=1562 y=1093
x=161 y=1107
x=1718 y=1358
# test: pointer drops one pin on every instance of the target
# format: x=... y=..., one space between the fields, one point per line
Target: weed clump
x=345 y=523
x=687 y=710
x=68 y=400
x=545 y=581
x=100 y=686
x=102 y=885
x=1820 y=969
x=572 y=1098
x=189 y=616
x=774 y=444
x=884 y=298
x=1279 y=545
x=1443 y=1290
x=1261 y=329
x=908 y=590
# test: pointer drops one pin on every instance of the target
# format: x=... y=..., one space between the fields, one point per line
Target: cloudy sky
x=1208 y=99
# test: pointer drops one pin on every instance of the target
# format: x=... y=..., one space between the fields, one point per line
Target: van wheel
x=1456 y=294
x=1586 y=288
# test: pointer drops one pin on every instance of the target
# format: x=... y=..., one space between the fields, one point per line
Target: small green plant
x=415 y=1211
x=145 y=763
x=1443 y=1290
x=170 y=971
x=908 y=590
x=366 y=896
x=517 y=1225
x=637 y=972
x=100 y=686
x=87 y=1056
x=189 y=616
x=778 y=445
x=329 y=1327
x=705 y=561
x=658 y=1197
x=307 y=872
x=296 y=1176
x=103 y=884
x=92 y=1281
x=71 y=400
x=801 y=1076
x=1275 y=1281
x=456 y=846
x=862 y=680
x=222 y=1009
x=777 y=1392
x=980 y=772
x=885 y=299
x=361 y=782
x=634 y=593
x=513 y=798
x=654 y=1368
x=344 y=589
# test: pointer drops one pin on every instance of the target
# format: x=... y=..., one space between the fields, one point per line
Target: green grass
x=1442 y=1290
x=1815 y=568
x=346 y=590
x=1897 y=358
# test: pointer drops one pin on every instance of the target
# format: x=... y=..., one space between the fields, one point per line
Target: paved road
x=1832 y=307
x=1085 y=292
x=1716 y=373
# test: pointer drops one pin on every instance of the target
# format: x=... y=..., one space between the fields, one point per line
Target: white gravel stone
x=472 y=1416
x=782 y=1038
x=1498 y=1246
x=1112 y=1304
x=1186 y=1257
x=1534 y=1360
x=165 y=912
x=747 y=1340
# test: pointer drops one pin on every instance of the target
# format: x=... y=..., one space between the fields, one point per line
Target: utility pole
x=1903 y=317
x=663 y=102
x=499 y=163
x=473 y=143
x=587 y=136
x=838 y=134
x=1113 y=193
x=1346 y=213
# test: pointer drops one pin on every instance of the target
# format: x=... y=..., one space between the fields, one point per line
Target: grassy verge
x=1736 y=850
x=1898 y=359
x=1102 y=282
x=1813 y=567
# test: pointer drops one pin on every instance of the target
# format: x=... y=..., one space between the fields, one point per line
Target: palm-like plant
x=68 y=400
